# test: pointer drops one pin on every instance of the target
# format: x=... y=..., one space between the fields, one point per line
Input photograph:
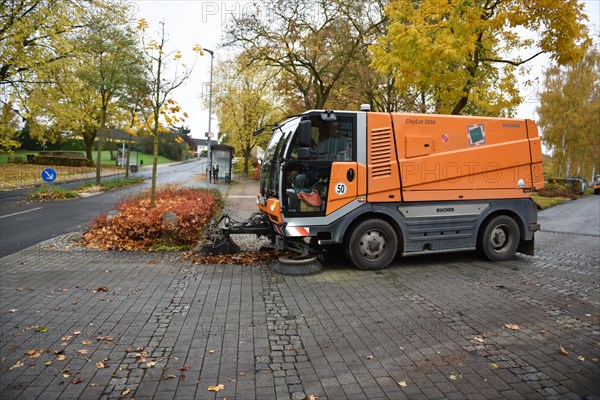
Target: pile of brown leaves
x=138 y=226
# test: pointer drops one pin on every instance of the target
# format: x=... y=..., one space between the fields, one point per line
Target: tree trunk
x=154 y=164
x=246 y=154
x=89 y=149
x=98 y=159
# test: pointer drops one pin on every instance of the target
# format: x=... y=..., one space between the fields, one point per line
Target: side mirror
x=304 y=134
x=303 y=153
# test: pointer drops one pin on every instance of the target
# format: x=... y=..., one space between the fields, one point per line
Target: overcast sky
x=188 y=22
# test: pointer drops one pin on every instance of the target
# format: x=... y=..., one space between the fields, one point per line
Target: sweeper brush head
x=289 y=265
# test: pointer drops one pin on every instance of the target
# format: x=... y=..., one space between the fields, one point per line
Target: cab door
x=318 y=183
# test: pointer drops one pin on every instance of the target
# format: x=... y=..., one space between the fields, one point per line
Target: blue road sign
x=49 y=175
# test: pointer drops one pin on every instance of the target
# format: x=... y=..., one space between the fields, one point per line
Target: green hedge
x=65 y=161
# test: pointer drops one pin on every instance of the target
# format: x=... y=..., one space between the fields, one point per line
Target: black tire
x=372 y=245
x=500 y=239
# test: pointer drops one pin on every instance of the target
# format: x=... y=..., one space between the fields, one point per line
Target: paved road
x=25 y=224
x=79 y=324
x=581 y=216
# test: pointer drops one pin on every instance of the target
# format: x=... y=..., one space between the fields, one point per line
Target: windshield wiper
x=275 y=125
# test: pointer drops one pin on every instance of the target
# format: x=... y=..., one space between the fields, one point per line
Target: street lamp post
x=212 y=56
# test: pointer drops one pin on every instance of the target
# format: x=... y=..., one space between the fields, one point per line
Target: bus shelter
x=221 y=160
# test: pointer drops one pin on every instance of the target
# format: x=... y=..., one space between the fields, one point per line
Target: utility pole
x=212 y=56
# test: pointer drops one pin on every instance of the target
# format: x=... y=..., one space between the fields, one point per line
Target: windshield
x=269 y=175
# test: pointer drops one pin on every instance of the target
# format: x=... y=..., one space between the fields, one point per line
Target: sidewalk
x=81 y=324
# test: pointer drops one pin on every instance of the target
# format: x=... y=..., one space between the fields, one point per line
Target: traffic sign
x=49 y=175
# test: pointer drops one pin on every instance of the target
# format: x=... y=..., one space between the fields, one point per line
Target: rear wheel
x=500 y=239
x=372 y=245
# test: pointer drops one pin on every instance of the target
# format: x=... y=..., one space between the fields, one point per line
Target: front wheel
x=500 y=239
x=372 y=245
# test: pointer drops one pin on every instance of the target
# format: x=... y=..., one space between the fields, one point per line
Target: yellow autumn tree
x=165 y=72
x=245 y=100
x=569 y=113
x=463 y=56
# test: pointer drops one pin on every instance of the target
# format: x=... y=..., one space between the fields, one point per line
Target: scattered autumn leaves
x=241 y=258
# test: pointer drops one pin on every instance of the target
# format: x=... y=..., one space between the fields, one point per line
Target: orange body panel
x=273 y=210
x=341 y=191
x=383 y=171
x=456 y=157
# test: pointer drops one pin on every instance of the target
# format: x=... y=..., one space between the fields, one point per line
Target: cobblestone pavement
x=79 y=324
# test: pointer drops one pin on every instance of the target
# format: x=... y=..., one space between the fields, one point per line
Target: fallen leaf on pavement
x=61 y=357
x=93 y=385
x=216 y=388
x=242 y=373
x=514 y=327
x=102 y=364
x=64 y=344
x=477 y=338
x=33 y=354
x=150 y=364
x=185 y=367
x=48 y=363
x=211 y=352
x=66 y=373
x=126 y=392
x=19 y=364
x=134 y=349
x=495 y=366
x=105 y=339
x=12 y=310
x=581 y=358
x=140 y=358
x=562 y=350
x=77 y=380
x=369 y=357
x=100 y=289
x=66 y=337
x=87 y=341
x=41 y=329
x=77 y=333
x=82 y=351
x=402 y=383
x=311 y=397
x=169 y=377
x=452 y=377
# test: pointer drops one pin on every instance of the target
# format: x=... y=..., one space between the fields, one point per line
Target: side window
x=330 y=140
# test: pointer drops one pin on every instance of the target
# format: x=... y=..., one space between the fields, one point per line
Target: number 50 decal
x=340 y=188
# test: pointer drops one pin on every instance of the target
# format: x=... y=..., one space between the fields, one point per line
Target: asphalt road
x=24 y=223
x=581 y=216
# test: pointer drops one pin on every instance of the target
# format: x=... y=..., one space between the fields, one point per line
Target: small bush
x=556 y=190
x=16 y=159
x=52 y=193
x=138 y=226
x=65 y=161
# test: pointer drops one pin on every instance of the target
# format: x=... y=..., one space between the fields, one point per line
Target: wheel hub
x=499 y=237
x=372 y=244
